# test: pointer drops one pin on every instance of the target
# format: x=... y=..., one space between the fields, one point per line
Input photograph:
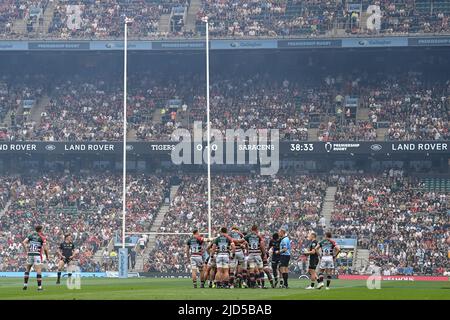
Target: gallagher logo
x=363 y=42
x=376 y=147
x=129 y=147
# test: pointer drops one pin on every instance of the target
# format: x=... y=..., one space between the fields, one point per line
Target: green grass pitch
x=181 y=289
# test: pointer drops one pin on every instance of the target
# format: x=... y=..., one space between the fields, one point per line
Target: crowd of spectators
x=14 y=91
x=403 y=227
x=90 y=109
x=13 y=10
x=88 y=206
x=80 y=111
x=413 y=109
x=293 y=202
x=91 y=19
x=104 y=19
x=349 y=131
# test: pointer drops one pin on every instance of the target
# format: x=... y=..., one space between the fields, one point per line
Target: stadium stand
x=407 y=105
x=293 y=202
x=402 y=226
x=88 y=206
x=231 y=18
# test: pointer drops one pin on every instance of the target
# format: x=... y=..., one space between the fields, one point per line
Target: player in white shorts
x=211 y=266
x=237 y=263
x=224 y=245
x=328 y=252
x=256 y=249
x=194 y=251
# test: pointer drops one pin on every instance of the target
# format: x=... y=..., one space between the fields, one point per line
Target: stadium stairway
x=36 y=112
x=155 y=228
x=19 y=27
x=362 y=114
x=361 y=259
x=382 y=133
x=192 y=15
x=2 y=212
x=48 y=16
x=164 y=23
x=313 y=134
x=7 y=119
x=131 y=135
x=157 y=117
x=328 y=205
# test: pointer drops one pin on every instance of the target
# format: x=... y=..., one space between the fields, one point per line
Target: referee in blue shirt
x=285 y=256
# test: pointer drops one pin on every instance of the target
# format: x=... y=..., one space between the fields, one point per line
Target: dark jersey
x=195 y=246
x=313 y=245
x=67 y=249
x=36 y=242
x=275 y=244
x=223 y=244
x=254 y=243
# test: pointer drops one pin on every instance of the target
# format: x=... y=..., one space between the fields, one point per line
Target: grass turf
x=181 y=289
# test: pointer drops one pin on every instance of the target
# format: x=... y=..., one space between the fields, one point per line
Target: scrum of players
x=35 y=244
x=241 y=260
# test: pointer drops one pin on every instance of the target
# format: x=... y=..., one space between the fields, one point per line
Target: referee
x=285 y=256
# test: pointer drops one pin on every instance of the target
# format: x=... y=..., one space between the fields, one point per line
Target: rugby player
x=66 y=253
x=313 y=258
x=211 y=266
x=329 y=251
x=285 y=256
x=267 y=271
x=237 y=263
x=33 y=246
x=274 y=246
x=194 y=252
x=245 y=267
x=256 y=250
x=225 y=247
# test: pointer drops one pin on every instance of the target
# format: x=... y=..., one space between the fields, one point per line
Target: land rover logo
x=328 y=146
x=50 y=147
x=129 y=147
x=376 y=147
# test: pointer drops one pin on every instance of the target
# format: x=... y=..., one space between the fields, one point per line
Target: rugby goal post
x=123 y=251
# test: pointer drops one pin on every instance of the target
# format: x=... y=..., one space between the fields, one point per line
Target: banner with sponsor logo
x=115 y=274
x=286 y=147
x=13 y=45
x=52 y=274
x=59 y=45
x=243 y=44
x=346 y=243
x=366 y=147
x=118 y=45
x=225 y=44
x=309 y=43
x=429 y=41
x=222 y=44
x=395 y=278
x=178 y=45
x=59 y=147
x=374 y=42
